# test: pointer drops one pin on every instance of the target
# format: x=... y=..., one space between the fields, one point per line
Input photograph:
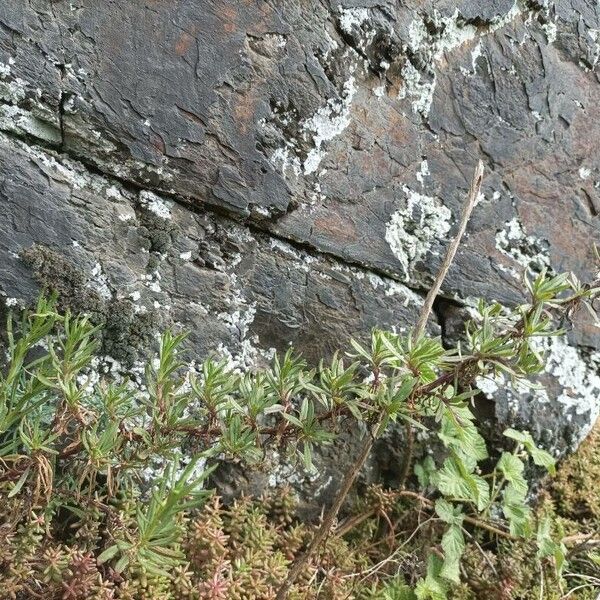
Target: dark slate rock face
x=274 y=172
x=105 y=246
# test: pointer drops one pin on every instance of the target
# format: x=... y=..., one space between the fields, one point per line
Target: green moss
x=576 y=489
x=158 y=231
x=126 y=335
x=55 y=273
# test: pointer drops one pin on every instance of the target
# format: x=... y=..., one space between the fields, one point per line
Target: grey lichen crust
x=292 y=173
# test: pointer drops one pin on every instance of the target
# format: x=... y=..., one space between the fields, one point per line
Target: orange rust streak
x=183 y=43
x=336 y=227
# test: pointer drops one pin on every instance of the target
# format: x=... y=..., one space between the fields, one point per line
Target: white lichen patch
x=450 y=33
x=379 y=91
x=65 y=170
x=4 y=70
x=285 y=161
x=423 y=172
x=317 y=195
x=584 y=173
x=550 y=30
x=394 y=288
x=577 y=375
x=113 y=192
x=124 y=211
x=579 y=378
x=515 y=390
x=303 y=151
x=246 y=354
x=480 y=198
x=284 y=472
x=430 y=39
x=20 y=121
x=302 y=260
x=355 y=21
x=489 y=385
x=11 y=302
x=99 y=282
x=239 y=232
x=239 y=320
x=528 y=251
x=263 y=211
x=594 y=55
x=156 y=205
x=37 y=119
x=502 y=20
x=475 y=54
x=352 y=18
x=13 y=91
x=417 y=88
x=327 y=123
x=412 y=230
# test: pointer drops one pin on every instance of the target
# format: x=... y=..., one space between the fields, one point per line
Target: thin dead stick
x=468 y=207
x=451 y=252
x=356 y=467
x=410 y=443
x=328 y=519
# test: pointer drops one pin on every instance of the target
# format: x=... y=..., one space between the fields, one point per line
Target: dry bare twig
x=355 y=468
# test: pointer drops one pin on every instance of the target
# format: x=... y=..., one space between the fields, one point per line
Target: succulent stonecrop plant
x=103 y=482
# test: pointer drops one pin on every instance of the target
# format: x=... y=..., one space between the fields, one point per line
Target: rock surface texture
x=266 y=172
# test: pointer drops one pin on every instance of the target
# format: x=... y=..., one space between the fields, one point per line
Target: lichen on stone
x=527 y=251
x=127 y=333
x=413 y=229
x=577 y=375
x=155 y=204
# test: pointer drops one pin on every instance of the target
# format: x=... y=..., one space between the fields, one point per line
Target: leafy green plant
x=103 y=481
x=133 y=460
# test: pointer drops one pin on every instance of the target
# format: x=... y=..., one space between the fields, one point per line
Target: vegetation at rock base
x=103 y=482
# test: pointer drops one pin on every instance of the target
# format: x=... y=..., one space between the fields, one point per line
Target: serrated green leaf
x=448 y=512
x=547 y=546
x=519 y=436
x=423 y=470
x=455 y=479
x=540 y=457
x=457 y=431
x=433 y=587
x=398 y=591
x=453 y=545
x=512 y=469
x=516 y=511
